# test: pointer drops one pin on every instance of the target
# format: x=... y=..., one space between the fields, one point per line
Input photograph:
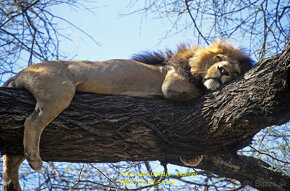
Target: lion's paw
x=10 y=186
x=192 y=161
x=34 y=161
x=212 y=84
x=36 y=165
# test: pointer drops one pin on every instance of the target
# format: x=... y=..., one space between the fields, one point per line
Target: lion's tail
x=10 y=82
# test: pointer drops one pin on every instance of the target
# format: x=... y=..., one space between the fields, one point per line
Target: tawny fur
x=177 y=76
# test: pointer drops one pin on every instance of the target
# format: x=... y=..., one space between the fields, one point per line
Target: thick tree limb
x=99 y=128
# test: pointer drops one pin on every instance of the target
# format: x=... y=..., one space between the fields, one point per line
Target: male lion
x=179 y=76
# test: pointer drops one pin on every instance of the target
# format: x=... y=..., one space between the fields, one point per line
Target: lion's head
x=213 y=65
x=216 y=64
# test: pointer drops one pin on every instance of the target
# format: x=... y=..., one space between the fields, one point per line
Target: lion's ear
x=246 y=63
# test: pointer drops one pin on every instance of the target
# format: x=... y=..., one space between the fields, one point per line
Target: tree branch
x=248 y=170
x=110 y=128
x=194 y=22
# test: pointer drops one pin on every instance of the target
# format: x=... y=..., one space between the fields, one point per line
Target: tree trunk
x=111 y=128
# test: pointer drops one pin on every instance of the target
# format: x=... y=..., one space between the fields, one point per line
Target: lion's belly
x=123 y=77
x=114 y=87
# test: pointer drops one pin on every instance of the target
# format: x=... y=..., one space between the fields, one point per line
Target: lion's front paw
x=192 y=161
x=212 y=84
x=34 y=160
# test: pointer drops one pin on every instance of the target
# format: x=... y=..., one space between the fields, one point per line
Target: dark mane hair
x=153 y=58
x=169 y=58
x=246 y=64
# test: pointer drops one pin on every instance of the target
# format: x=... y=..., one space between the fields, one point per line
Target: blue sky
x=119 y=35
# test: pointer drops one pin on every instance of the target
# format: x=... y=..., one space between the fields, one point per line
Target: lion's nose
x=223 y=71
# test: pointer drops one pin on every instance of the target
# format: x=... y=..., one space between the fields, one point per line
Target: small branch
x=22 y=11
x=194 y=22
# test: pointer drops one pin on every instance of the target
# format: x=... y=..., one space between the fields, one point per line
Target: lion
x=180 y=76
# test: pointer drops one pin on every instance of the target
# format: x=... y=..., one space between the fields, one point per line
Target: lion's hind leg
x=11 y=164
x=51 y=101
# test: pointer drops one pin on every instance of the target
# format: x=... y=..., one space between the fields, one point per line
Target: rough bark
x=107 y=128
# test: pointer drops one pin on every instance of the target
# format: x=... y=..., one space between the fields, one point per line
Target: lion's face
x=219 y=64
x=222 y=70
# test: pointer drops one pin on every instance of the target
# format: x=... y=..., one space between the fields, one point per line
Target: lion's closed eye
x=218 y=58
